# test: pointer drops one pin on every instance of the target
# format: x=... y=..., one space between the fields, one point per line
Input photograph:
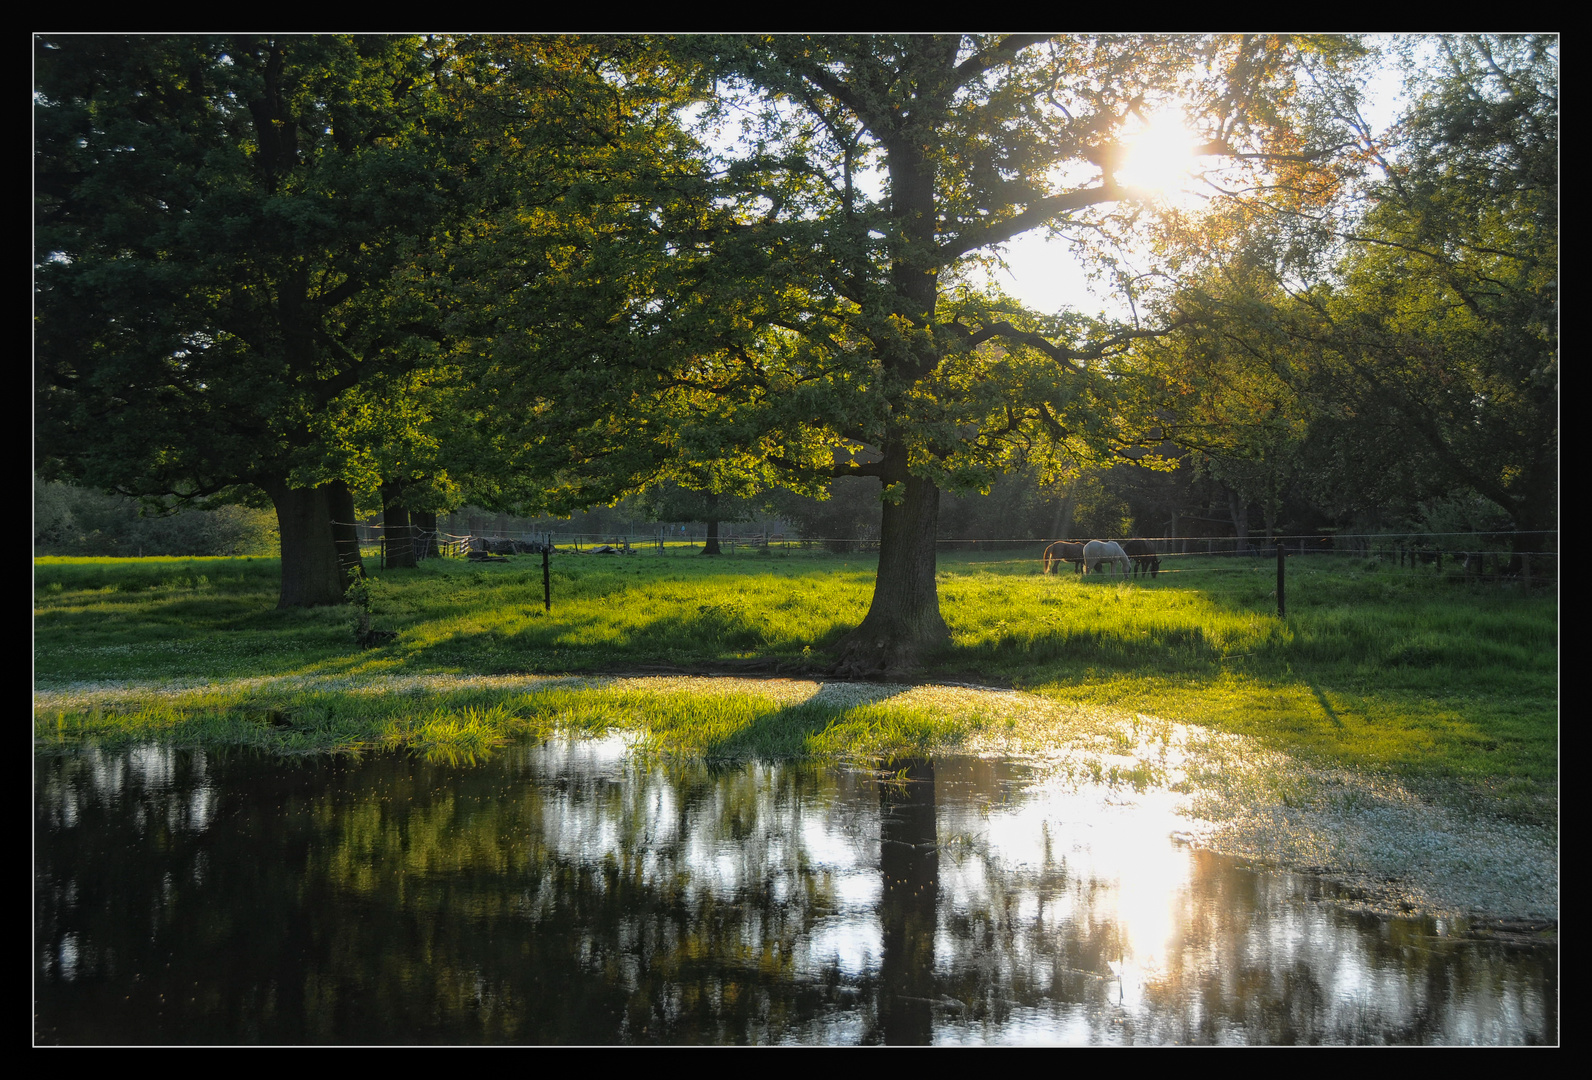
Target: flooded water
x=569 y=893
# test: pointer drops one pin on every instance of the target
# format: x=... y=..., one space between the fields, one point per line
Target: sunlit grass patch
x=467 y=724
x=1372 y=668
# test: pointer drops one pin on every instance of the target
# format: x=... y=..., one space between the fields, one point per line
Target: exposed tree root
x=886 y=657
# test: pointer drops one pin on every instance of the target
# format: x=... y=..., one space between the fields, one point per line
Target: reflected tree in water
x=570 y=894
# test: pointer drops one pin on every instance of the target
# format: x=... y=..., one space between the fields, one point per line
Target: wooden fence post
x=1282 y=555
x=547 y=580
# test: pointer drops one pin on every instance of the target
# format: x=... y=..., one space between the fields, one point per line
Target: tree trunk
x=1240 y=512
x=1535 y=513
x=711 y=547
x=425 y=528
x=311 y=575
x=712 y=526
x=399 y=546
x=345 y=533
x=903 y=626
x=1533 y=524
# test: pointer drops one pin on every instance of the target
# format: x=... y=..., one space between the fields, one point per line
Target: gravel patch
x=1391 y=848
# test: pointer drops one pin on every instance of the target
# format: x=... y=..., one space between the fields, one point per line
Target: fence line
x=1375 y=546
x=1404 y=547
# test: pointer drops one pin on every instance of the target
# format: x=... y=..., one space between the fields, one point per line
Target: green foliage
x=568 y=282
x=362 y=593
x=230 y=274
x=69 y=520
x=226 y=229
x=1449 y=308
x=1404 y=348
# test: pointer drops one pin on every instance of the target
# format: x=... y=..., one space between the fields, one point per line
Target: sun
x=1158 y=154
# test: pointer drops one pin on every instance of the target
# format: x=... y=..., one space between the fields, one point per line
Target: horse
x=1142 y=552
x=1096 y=552
x=1064 y=551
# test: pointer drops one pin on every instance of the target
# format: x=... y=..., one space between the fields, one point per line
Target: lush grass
x=467 y=724
x=1374 y=667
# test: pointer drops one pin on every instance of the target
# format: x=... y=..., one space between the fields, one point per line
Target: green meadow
x=1412 y=672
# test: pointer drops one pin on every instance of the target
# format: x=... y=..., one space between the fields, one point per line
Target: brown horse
x=1064 y=551
x=1142 y=552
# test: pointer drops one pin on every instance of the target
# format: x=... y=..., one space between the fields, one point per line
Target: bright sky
x=1045 y=276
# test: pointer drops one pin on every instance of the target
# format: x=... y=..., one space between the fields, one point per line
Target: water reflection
x=565 y=893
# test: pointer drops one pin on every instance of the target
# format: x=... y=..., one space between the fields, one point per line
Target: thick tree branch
x=1038 y=214
x=1065 y=356
x=1003 y=51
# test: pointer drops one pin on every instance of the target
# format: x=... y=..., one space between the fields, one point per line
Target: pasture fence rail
x=1483 y=558
x=1474 y=556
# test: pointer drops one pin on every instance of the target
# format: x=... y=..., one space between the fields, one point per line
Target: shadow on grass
x=1010 y=621
x=1326 y=706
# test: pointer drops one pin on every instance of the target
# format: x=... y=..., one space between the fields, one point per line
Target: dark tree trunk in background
x=424 y=524
x=1531 y=541
x=345 y=534
x=1240 y=512
x=311 y=575
x=399 y=545
x=712 y=545
x=1535 y=512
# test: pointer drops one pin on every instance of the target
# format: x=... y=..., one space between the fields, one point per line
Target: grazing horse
x=1096 y=552
x=1064 y=551
x=1142 y=552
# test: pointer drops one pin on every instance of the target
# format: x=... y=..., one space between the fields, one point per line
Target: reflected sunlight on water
x=572 y=893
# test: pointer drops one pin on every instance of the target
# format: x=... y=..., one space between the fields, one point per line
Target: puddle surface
x=567 y=893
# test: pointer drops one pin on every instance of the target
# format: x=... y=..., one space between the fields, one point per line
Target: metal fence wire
x=1479 y=555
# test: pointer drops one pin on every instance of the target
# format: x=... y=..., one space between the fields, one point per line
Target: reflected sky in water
x=570 y=893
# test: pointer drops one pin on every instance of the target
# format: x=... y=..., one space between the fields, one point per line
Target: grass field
x=1374 y=668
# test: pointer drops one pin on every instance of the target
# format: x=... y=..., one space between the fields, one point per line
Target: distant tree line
x=71 y=520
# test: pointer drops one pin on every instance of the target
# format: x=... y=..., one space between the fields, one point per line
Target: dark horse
x=1064 y=551
x=1142 y=552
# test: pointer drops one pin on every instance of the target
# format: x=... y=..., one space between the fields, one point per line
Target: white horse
x=1096 y=552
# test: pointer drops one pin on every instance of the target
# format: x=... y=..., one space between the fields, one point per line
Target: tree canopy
x=1409 y=339
x=227 y=232
x=819 y=301
x=1448 y=308
x=280 y=261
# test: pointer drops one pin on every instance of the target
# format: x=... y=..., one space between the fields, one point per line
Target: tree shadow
x=1326 y=706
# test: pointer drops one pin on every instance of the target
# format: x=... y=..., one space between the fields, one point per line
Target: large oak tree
x=227 y=230
x=828 y=279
